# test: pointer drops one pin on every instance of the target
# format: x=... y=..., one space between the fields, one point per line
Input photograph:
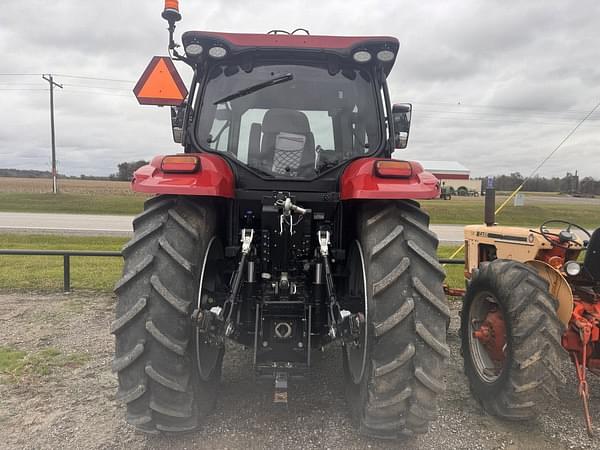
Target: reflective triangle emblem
x=160 y=84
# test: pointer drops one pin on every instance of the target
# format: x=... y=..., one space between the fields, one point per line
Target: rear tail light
x=393 y=169
x=180 y=164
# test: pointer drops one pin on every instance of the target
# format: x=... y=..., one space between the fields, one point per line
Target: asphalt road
x=83 y=224
x=93 y=225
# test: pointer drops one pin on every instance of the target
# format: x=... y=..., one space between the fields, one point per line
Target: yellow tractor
x=528 y=299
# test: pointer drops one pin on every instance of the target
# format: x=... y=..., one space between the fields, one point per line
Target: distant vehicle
x=463 y=188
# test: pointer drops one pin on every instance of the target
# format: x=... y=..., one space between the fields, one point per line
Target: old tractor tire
x=529 y=366
x=155 y=356
x=406 y=320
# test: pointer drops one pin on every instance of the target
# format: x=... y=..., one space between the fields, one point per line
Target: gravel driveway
x=74 y=407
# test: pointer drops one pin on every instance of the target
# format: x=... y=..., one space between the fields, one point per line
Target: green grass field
x=535 y=211
x=45 y=273
x=14 y=364
x=71 y=203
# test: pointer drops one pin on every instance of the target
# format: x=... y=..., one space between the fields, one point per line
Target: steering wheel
x=565 y=236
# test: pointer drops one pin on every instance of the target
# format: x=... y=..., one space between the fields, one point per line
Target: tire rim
x=356 y=352
x=487 y=337
x=208 y=353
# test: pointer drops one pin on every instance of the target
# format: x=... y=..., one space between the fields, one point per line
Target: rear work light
x=393 y=169
x=385 y=55
x=194 y=49
x=362 y=56
x=217 y=52
x=180 y=164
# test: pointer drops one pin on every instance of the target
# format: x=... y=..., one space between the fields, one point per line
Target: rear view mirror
x=401 y=113
x=177 y=118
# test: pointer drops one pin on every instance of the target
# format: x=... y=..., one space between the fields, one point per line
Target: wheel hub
x=492 y=334
x=487 y=342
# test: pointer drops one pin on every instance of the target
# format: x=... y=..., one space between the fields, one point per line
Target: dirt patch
x=74 y=407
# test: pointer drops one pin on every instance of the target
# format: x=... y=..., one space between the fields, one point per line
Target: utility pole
x=51 y=82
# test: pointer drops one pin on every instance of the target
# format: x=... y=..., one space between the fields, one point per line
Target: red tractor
x=284 y=226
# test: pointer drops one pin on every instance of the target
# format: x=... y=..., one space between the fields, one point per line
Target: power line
x=522 y=108
x=81 y=77
x=547 y=116
x=83 y=91
x=505 y=121
x=20 y=74
x=538 y=167
x=19 y=83
x=24 y=89
x=534 y=171
x=98 y=87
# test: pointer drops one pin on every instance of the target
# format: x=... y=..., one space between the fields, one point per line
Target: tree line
x=125 y=170
x=569 y=184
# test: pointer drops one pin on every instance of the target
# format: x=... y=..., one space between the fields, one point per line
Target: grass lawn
x=15 y=364
x=91 y=203
x=535 y=211
x=45 y=273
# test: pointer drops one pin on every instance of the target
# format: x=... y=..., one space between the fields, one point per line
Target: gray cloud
x=495 y=84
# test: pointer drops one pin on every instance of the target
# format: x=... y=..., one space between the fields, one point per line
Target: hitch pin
x=247 y=237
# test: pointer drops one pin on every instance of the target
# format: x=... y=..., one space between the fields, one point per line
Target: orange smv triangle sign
x=160 y=84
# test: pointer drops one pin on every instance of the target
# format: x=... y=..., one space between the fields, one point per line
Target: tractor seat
x=288 y=146
x=591 y=263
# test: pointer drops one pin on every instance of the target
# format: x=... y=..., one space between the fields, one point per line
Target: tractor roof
x=341 y=46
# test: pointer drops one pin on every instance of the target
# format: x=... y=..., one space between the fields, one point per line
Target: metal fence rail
x=447 y=261
x=66 y=254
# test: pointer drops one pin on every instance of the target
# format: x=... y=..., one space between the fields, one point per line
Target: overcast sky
x=495 y=85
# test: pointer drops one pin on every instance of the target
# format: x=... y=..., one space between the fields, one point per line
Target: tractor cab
x=290 y=106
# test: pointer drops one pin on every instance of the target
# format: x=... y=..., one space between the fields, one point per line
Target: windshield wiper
x=256 y=87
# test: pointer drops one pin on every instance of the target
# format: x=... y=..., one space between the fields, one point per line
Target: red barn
x=453 y=175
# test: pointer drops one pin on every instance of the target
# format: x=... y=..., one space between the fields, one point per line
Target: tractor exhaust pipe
x=490 y=203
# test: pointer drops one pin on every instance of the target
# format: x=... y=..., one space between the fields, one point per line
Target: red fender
x=214 y=179
x=359 y=181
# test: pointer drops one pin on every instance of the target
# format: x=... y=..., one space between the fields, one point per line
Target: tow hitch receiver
x=280 y=395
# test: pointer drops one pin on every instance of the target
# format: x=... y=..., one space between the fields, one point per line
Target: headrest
x=285 y=120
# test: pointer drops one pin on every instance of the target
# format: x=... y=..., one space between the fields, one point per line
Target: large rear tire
x=512 y=384
x=156 y=347
x=406 y=316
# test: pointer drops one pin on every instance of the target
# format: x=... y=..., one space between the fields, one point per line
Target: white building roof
x=445 y=167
